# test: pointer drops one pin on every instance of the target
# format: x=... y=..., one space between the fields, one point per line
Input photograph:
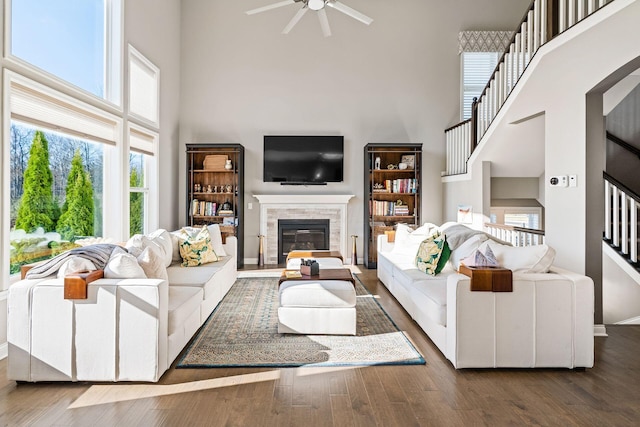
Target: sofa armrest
x=547 y=321
x=119 y=333
x=383 y=243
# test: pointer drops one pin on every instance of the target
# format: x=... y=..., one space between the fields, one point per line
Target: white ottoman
x=323 y=307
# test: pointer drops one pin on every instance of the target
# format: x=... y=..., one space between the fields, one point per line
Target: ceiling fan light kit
x=317 y=6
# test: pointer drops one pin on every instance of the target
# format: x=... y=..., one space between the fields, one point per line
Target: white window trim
x=153 y=70
x=500 y=212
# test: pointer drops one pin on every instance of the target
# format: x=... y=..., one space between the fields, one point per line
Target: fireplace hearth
x=302 y=234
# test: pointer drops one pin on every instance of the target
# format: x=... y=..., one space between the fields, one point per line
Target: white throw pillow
x=123 y=266
x=153 y=263
x=408 y=241
x=216 y=239
x=527 y=259
x=466 y=249
x=75 y=264
x=175 y=245
x=162 y=238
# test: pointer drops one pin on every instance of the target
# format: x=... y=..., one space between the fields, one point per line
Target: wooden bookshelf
x=209 y=189
x=392 y=194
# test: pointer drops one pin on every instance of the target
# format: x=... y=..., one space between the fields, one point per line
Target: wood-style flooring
x=434 y=394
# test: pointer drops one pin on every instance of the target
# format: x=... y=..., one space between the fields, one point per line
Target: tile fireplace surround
x=317 y=206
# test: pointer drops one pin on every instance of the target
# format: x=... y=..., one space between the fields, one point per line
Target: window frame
x=135 y=56
x=151 y=178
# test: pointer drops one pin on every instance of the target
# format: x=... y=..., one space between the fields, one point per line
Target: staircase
x=622 y=220
x=544 y=20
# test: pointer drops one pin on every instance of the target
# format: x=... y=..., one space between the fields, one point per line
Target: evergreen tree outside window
x=56 y=193
x=137 y=193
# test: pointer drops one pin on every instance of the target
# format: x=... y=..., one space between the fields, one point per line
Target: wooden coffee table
x=325 y=274
x=315 y=254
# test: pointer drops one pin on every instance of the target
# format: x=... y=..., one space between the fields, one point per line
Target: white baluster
x=581 y=10
x=536 y=26
x=517 y=55
x=624 y=210
x=523 y=46
x=530 y=37
x=543 y=22
x=634 y=231
x=591 y=6
x=616 y=217
x=607 y=210
x=571 y=16
x=562 y=16
x=601 y=3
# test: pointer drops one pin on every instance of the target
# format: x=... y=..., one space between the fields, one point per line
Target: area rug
x=243 y=332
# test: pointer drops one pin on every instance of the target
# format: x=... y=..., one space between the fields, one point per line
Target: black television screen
x=303 y=159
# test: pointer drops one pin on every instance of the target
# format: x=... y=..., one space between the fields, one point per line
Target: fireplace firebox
x=301 y=234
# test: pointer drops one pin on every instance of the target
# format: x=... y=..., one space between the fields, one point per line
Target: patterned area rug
x=243 y=332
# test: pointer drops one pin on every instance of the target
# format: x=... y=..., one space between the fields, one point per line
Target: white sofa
x=547 y=321
x=126 y=330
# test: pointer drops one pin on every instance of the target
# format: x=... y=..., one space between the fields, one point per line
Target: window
x=142 y=178
x=526 y=217
x=55 y=193
x=477 y=68
x=77 y=41
x=143 y=87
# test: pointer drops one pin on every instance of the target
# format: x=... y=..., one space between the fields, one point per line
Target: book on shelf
x=225 y=212
x=405 y=185
x=203 y=208
x=384 y=208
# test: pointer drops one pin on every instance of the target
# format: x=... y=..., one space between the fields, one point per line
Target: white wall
x=394 y=81
x=514 y=188
x=621 y=292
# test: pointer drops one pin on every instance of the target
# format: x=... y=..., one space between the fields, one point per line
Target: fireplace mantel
x=292 y=199
x=303 y=206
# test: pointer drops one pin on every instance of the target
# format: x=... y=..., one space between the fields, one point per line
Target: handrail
x=457 y=125
x=517 y=236
x=622 y=143
x=629 y=192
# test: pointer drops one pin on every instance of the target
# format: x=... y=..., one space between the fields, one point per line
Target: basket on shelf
x=215 y=162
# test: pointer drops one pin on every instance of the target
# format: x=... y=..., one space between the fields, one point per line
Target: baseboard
x=4 y=350
x=599 y=331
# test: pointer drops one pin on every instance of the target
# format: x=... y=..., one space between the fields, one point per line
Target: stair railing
x=544 y=20
x=621 y=206
x=517 y=236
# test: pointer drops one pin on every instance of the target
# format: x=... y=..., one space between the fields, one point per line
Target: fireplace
x=301 y=234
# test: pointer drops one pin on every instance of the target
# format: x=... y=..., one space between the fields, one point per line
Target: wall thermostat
x=559 y=181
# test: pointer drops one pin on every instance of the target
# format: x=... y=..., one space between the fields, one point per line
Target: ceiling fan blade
x=295 y=20
x=349 y=11
x=324 y=22
x=269 y=7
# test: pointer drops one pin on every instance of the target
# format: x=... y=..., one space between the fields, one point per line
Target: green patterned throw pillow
x=196 y=249
x=433 y=254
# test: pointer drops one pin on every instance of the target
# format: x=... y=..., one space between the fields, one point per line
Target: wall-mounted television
x=303 y=160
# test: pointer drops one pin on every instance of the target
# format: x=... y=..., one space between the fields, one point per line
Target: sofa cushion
x=430 y=298
x=196 y=250
x=183 y=301
x=152 y=262
x=407 y=241
x=325 y=293
x=123 y=265
x=526 y=259
x=433 y=254
x=162 y=239
x=75 y=264
x=183 y=276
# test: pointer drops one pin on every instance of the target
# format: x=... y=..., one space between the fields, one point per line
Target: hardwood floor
x=434 y=394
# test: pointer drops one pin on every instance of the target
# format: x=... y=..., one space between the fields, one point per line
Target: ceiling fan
x=318 y=6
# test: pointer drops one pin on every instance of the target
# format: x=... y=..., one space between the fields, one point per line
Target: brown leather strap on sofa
x=75 y=285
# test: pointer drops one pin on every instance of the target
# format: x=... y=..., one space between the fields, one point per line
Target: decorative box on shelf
x=489 y=279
